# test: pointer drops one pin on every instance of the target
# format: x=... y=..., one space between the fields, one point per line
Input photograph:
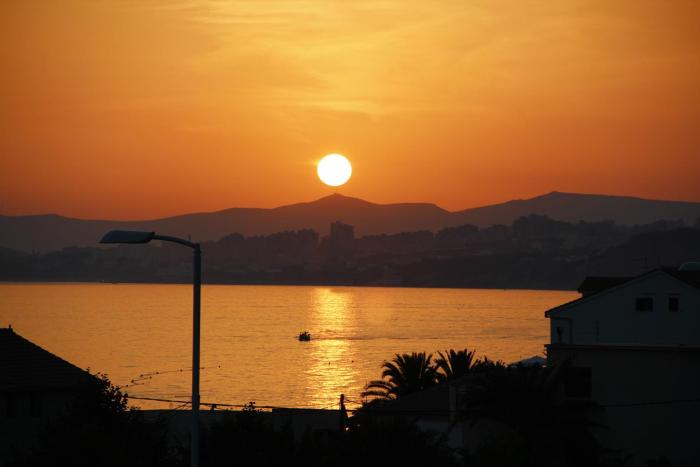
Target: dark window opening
x=578 y=382
x=35 y=405
x=11 y=405
x=673 y=304
x=644 y=304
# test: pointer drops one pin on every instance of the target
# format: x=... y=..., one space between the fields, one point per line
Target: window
x=644 y=304
x=11 y=405
x=35 y=405
x=578 y=382
x=673 y=304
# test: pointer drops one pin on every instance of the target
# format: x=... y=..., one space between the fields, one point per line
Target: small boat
x=304 y=336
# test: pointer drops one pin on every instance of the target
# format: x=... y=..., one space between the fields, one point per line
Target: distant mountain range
x=52 y=232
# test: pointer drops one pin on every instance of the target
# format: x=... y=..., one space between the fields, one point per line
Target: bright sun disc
x=334 y=169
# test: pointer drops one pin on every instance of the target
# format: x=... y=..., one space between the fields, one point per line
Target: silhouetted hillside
x=52 y=232
x=574 y=207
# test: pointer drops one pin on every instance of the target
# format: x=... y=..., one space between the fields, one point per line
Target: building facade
x=633 y=348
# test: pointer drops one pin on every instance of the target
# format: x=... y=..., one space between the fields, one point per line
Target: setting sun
x=524 y=221
x=334 y=169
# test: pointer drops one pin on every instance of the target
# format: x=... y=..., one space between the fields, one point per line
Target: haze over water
x=250 y=350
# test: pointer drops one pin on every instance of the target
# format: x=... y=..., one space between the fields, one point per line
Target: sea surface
x=141 y=334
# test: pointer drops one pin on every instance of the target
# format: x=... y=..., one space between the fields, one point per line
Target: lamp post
x=131 y=236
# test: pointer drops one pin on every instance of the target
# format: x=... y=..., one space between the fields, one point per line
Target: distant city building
x=35 y=387
x=342 y=235
x=632 y=346
x=341 y=241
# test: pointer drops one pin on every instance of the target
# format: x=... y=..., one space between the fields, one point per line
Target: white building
x=634 y=349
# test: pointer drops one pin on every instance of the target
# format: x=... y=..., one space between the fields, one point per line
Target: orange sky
x=131 y=109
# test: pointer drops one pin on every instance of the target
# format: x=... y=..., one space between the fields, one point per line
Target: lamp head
x=127 y=236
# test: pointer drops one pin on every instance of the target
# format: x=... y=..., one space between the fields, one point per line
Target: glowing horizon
x=135 y=111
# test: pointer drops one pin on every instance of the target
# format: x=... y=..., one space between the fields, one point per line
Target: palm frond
x=404 y=374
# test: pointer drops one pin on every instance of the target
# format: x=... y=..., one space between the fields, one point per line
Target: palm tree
x=405 y=374
x=454 y=364
x=485 y=365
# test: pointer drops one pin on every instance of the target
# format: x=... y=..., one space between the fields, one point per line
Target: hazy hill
x=573 y=207
x=51 y=232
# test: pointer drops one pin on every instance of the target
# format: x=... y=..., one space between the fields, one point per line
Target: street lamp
x=131 y=236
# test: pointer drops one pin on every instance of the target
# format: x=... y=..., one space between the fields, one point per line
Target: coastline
x=276 y=284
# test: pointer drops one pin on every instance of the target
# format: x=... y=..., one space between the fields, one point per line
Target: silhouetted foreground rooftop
x=25 y=366
x=595 y=284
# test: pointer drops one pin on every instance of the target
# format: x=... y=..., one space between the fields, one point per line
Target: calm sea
x=140 y=335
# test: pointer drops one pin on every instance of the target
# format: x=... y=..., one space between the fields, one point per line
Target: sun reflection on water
x=333 y=351
x=249 y=347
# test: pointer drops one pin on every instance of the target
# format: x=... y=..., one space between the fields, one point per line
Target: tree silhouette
x=485 y=364
x=99 y=430
x=405 y=374
x=538 y=427
x=454 y=364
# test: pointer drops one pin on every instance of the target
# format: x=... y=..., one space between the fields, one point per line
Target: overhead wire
x=224 y=404
x=147 y=376
x=383 y=410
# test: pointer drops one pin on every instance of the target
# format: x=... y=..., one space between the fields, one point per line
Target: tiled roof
x=25 y=366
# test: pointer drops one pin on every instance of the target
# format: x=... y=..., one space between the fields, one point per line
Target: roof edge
x=554 y=311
